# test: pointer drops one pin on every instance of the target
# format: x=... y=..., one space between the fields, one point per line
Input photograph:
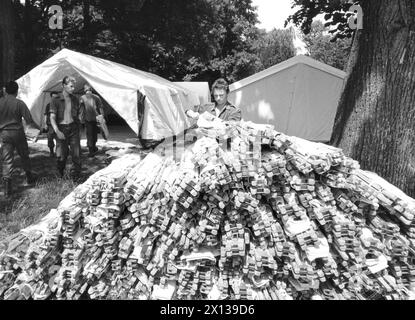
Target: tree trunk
x=375 y=121
x=29 y=53
x=87 y=21
x=6 y=41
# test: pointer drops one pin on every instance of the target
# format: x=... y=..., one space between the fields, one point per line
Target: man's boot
x=51 y=153
x=91 y=152
x=61 y=169
x=7 y=183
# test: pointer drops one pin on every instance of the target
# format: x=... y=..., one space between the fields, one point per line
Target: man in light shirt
x=93 y=107
x=48 y=126
x=222 y=108
x=66 y=115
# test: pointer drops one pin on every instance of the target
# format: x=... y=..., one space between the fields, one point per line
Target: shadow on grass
x=31 y=205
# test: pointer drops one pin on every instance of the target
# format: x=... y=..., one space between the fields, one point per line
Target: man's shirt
x=93 y=107
x=228 y=113
x=66 y=114
x=12 y=110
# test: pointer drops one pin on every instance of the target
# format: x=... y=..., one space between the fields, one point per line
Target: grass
x=30 y=204
x=33 y=204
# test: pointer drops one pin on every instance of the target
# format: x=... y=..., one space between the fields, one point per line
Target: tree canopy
x=275 y=46
x=320 y=47
x=197 y=40
x=336 y=14
x=179 y=40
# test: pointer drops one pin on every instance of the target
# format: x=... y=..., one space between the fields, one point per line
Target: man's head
x=12 y=88
x=220 y=90
x=87 y=89
x=68 y=84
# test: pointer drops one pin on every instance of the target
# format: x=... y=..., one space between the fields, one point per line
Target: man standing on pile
x=222 y=108
x=66 y=115
x=93 y=107
x=12 y=135
x=48 y=126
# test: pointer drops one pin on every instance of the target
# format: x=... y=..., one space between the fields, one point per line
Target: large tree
x=274 y=47
x=375 y=120
x=200 y=39
x=7 y=43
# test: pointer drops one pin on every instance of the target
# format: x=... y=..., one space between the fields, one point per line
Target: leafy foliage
x=275 y=46
x=181 y=39
x=321 y=48
x=335 y=13
x=198 y=40
x=201 y=39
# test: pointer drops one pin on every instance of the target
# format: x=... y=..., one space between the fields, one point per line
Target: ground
x=30 y=203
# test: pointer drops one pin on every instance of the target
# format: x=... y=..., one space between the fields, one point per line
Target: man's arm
x=235 y=115
x=99 y=104
x=59 y=134
x=81 y=101
x=195 y=111
x=45 y=120
x=45 y=116
x=191 y=112
x=81 y=110
x=25 y=112
x=53 y=111
x=26 y=115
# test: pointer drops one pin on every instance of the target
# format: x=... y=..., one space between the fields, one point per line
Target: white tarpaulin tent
x=298 y=96
x=119 y=85
x=201 y=88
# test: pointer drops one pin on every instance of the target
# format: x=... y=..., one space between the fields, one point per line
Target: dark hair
x=12 y=87
x=87 y=85
x=67 y=79
x=221 y=84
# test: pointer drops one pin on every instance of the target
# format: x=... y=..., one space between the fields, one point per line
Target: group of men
x=65 y=115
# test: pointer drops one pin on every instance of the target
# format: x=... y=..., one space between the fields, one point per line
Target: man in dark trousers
x=93 y=107
x=12 y=135
x=66 y=115
x=48 y=126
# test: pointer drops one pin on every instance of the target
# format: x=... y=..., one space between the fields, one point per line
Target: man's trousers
x=72 y=144
x=91 y=135
x=14 y=140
